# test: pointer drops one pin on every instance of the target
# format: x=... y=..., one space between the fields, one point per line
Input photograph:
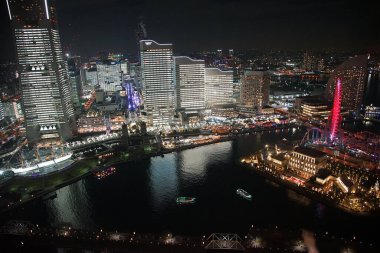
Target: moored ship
x=185 y=200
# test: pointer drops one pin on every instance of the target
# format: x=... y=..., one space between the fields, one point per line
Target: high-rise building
x=46 y=92
x=110 y=76
x=254 y=89
x=353 y=74
x=75 y=79
x=189 y=79
x=218 y=87
x=157 y=79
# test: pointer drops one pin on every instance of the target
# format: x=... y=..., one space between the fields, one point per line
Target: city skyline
x=158 y=117
x=111 y=25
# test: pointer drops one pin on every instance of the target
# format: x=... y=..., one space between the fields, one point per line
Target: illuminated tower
x=254 y=89
x=335 y=117
x=353 y=74
x=218 y=87
x=157 y=79
x=46 y=93
x=189 y=79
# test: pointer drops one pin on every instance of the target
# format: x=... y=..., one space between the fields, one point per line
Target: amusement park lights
x=335 y=117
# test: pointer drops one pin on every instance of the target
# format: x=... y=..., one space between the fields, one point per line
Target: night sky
x=89 y=26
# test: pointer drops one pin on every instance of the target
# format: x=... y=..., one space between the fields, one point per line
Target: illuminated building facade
x=91 y=76
x=372 y=113
x=189 y=78
x=353 y=74
x=110 y=76
x=254 y=89
x=315 y=109
x=218 y=87
x=157 y=80
x=310 y=62
x=305 y=162
x=45 y=88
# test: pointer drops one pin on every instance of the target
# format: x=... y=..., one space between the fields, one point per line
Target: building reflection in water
x=71 y=207
x=163 y=181
x=192 y=164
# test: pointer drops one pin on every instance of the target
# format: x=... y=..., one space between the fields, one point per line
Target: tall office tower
x=218 y=87
x=254 y=89
x=353 y=74
x=189 y=79
x=157 y=79
x=110 y=77
x=46 y=93
x=75 y=79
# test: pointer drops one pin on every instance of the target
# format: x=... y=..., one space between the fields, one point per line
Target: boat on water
x=243 y=194
x=105 y=173
x=185 y=200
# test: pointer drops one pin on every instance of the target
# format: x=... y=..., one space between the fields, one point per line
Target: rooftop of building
x=216 y=71
x=323 y=174
x=178 y=60
x=279 y=157
x=346 y=181
x=151 y=44
x=309 y=152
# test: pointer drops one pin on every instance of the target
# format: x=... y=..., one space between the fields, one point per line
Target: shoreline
x=223 y=138
x=72 y=180
x=308 y=193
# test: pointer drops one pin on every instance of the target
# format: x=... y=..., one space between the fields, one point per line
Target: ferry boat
x=243 y=194
x=185 y=200
x=105 y=173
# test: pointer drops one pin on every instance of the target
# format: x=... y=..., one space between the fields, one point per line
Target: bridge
x=21 y=236
x=218 y=241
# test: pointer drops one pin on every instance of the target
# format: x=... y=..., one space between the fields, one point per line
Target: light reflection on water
x=71 y=206
x=163 y=181
x=141 y=196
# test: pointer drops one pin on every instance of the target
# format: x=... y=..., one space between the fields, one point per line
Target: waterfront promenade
x=21 y=189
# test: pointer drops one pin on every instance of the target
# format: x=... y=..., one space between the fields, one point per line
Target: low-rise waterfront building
x=305 y=162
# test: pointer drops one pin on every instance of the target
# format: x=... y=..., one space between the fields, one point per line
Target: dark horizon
x=109 y=25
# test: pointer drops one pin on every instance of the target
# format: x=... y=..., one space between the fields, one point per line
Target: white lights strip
x=47 y=10
x=9 y=10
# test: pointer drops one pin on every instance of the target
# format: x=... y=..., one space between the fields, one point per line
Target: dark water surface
x=141 y=197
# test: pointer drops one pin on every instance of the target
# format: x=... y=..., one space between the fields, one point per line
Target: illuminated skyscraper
x=254 y=89
x=219 y=87
x=353 y=74
x=46 y=94
x=110 y=75
x=189 y=78
x=157 y=79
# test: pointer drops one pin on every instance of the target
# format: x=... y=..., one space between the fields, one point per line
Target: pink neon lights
x=335 y=117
